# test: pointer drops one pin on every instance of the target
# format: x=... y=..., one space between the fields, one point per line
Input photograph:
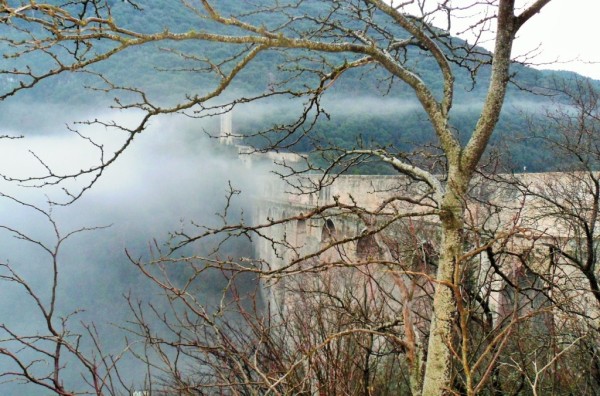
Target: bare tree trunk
x=438 y=368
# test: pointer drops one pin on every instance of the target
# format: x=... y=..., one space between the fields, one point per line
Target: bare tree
x=564 y=213
x=572 y=199
x=364 y=35
x=49 y=349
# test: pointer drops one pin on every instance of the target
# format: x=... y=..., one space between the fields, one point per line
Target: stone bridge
x=336 y=219
x=357 y=198
x=361 y=198
x=347 y=232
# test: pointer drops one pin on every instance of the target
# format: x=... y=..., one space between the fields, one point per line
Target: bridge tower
x=226 y=131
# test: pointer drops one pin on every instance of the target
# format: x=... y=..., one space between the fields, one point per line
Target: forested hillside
x=141 y=257
x=362 y=109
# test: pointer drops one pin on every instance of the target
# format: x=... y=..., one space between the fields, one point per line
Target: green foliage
x=168 y=77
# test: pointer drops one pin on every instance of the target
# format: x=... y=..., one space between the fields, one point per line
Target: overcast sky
x=565 y=35
x=568 y=31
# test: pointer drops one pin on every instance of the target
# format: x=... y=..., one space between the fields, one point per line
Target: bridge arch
x=328 y=232
x=367 y=247
x=301 y=229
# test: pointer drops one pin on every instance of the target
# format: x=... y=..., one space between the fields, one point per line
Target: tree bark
x=439 y=357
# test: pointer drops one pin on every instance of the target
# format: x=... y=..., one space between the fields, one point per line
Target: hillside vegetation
x=364 y=109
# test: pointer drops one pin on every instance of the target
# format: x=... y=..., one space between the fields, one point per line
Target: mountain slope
x=380 y=114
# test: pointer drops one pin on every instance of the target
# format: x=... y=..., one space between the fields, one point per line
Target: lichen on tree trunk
x=438 y=367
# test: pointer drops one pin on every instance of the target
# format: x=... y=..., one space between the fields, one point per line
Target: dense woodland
x=165 y=75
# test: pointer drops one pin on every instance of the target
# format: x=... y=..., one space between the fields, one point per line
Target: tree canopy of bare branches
x=448 y=304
